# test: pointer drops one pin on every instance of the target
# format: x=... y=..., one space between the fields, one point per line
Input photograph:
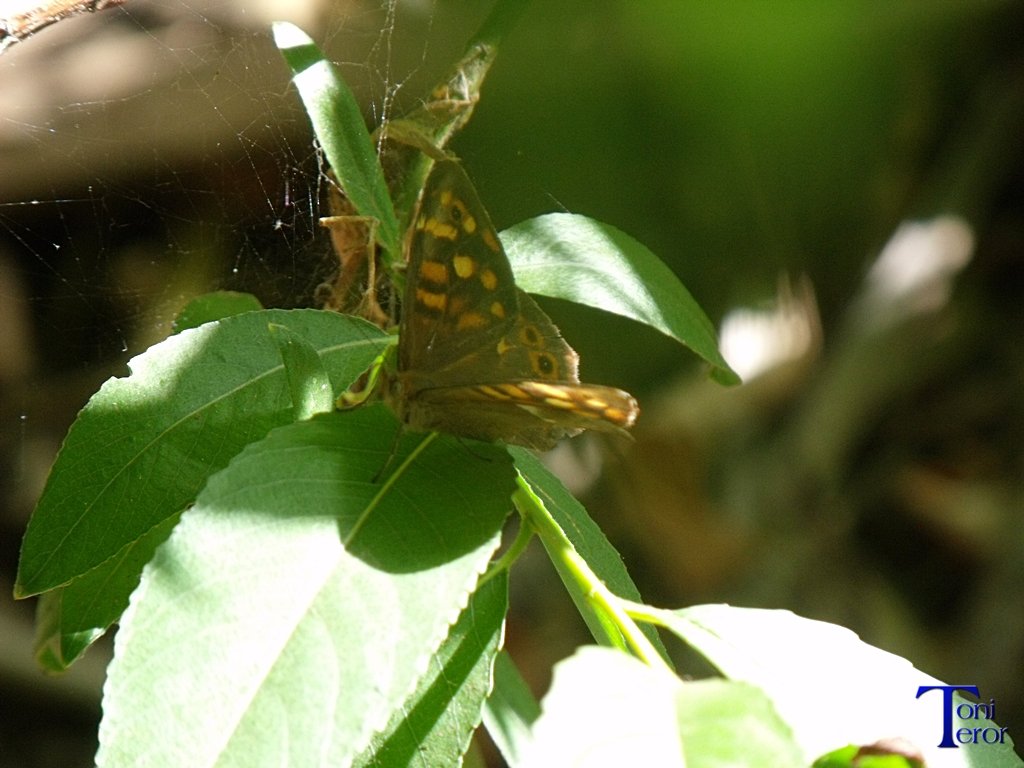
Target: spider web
x=150 y=153
x=154 y=151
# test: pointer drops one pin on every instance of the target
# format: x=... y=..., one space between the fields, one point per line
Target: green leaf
x=607 y=708
x=308 y=382
x=214 y=306
x=605 y=703
x=572 y=257
x=341 y=131
x=434 y=726
x=296 y=606
x=587 y=538
x=722 y=722
x=73 y=617
x=144 y=445
x=53 y=644
x=828 y=685
x=510 y=711
x=852 y=756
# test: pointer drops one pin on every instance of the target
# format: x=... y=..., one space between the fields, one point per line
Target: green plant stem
x=512 y=554
x=608 y=608
x=645 y=613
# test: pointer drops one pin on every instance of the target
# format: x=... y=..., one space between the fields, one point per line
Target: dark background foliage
x=764 y=150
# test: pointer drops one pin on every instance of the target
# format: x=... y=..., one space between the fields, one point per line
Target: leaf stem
x=607 y=607
x=646 y=613
x=512 y=554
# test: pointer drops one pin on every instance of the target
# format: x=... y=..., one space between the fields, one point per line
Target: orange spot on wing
x=491 y=392
x=470 y=320
x=616 y=416
x=557 y=402
x=434 y=271
x=491 y=241
x=489 y=279
x=514 y=390
x=464 y=265
x=431 y=300
x=440 y=229
x=549 y=392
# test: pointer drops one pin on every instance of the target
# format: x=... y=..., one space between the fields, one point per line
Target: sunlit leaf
x=436 y=723
x=308 y=382
x=341 y=130
x=607 y=708
x=143 y=446
x=510 y=711
x=214 y=306
x=572 y=257
x=298 y=603
x=831 y=688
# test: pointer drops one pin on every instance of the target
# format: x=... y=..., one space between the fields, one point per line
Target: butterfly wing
x=460 y=297
x=477 y=357
x=535 y=414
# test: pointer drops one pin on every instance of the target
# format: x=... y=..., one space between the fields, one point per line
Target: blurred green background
x=767 y=151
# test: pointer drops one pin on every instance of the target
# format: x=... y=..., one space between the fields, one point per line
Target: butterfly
x=476 y=356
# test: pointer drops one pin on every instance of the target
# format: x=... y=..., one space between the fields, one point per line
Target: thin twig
x=21 y=26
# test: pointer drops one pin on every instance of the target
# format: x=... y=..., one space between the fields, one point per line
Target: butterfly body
x=476 y=356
